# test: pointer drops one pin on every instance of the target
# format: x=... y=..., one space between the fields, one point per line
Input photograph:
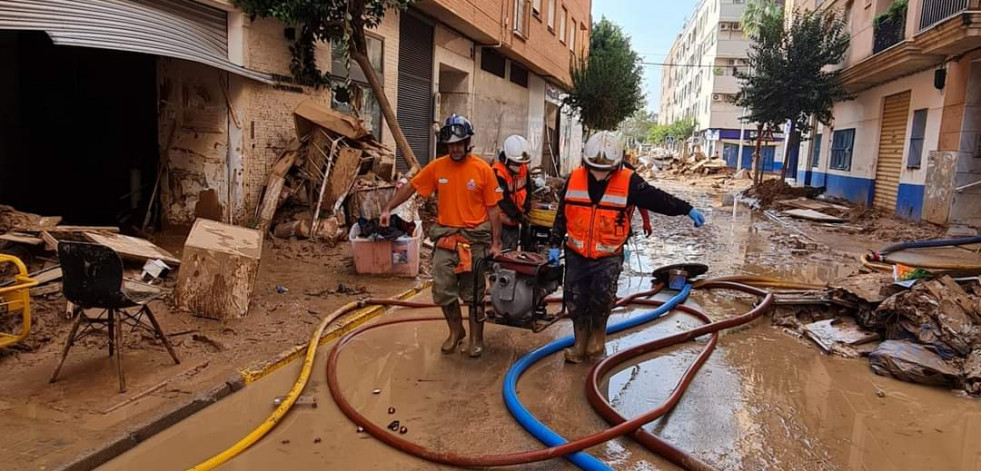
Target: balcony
x=888 y=30
x=952 y=27
x=935 y=11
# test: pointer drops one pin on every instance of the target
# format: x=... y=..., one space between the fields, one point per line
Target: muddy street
x=764 y=400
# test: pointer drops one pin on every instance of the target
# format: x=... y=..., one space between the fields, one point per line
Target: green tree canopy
x=677 y=131
x=638 y=125
x=606 y=85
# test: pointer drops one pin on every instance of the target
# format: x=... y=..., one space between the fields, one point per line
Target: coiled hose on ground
x=632 y=426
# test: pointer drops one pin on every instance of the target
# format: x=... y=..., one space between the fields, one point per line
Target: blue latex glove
x=696 y=217
x=553 y=256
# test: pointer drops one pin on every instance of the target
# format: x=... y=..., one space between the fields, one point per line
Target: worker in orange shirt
x=467 y=229
x=513 y=176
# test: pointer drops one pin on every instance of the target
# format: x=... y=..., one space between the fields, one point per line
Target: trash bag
x=397 y=227
x=907 y=361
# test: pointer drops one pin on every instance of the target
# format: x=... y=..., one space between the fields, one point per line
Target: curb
x=95 y=457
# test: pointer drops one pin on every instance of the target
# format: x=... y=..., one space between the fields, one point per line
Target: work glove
x=648 y=230
x=696 y=217
x=553 y=256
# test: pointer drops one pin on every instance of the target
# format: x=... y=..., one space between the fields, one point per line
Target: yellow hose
x=284 y=407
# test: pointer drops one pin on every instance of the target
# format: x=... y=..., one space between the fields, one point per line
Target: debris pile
x=770 y=191
x=931 y=333
x=333 y=160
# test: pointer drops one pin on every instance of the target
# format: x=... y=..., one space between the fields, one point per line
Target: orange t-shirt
x=464 y=190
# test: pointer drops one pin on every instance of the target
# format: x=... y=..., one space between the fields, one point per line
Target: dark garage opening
x=78 y=130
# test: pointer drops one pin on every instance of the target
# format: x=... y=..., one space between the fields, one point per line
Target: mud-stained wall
x=267 y=111
x=193 y=134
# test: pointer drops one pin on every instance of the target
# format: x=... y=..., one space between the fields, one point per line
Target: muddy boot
x=596 y=346
x=476 y=344
x=454 y=319
x=580 y=328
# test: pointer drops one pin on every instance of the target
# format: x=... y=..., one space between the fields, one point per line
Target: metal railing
x=935 y=11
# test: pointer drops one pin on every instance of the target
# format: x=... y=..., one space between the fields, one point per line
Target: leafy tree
x=636 y=127
x=342 y=22
x=758 y=12
x=677 y=131
x=788 y=79
x=606 y=85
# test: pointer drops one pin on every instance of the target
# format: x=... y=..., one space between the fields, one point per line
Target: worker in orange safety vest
x=512 y=173
x=593 y=222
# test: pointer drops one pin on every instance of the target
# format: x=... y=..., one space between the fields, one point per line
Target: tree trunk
x=757 y=168
x=387 y=110
x=791 y=142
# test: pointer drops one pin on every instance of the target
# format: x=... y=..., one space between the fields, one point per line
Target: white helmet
x=603 y=151
x=516 y=149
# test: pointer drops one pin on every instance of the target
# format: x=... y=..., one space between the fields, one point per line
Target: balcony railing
x=888 y=30
x=935 y=11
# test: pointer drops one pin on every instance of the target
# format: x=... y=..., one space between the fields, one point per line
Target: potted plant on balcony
x=890 y=26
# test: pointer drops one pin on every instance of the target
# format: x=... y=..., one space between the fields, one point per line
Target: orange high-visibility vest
x=600 y=230
x=517 y=185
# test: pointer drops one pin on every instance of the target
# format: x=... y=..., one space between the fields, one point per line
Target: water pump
x=519 y=283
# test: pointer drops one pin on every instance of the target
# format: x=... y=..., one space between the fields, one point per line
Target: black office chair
x=92 y=278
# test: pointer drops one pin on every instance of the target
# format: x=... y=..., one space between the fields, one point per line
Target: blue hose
x=919 y=244
x=536 y=427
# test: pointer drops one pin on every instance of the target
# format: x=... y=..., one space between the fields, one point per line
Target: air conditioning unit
x=724 y=26
x=716 y=97
x=731 y=62
x=737 y=27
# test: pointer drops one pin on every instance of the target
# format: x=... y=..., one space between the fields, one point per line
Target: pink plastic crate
x=386 y=257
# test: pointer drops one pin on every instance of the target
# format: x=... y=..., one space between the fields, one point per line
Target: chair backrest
x=92 y=274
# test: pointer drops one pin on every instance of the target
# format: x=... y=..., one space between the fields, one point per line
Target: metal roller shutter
x=415 y=100
x=892 y=138
x=182 y=29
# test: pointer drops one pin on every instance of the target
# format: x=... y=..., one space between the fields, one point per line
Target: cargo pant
x=510 y=235
x=449 y=286
x=590 y=288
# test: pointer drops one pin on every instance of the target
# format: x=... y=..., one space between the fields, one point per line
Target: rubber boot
x=476 y=344
x=596 y=346
x=580 y=328
x=454 y=319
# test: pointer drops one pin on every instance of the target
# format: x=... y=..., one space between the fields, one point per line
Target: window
x=572 y=35
x=536 y=8
x=367 y=106
x=519 y=74
x=916 y=139
x=842 y=142
x=520 y=20
x=562 y=19
x=491 y=61
x=816 y=150
x=551 y=15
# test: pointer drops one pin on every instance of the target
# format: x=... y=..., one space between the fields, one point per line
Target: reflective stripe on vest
x=597 y=230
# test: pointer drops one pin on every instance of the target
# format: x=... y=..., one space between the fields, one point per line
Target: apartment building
x=910 y=143
x=699 y=83
x=102 y=96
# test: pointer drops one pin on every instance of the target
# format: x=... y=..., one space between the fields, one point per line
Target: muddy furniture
x=218 y=270
x=93 y=279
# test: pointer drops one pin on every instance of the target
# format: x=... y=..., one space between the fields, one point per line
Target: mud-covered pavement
x=765 y=400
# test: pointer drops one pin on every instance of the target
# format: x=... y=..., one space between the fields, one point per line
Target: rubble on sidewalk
x=333 y=160
x=937 y=313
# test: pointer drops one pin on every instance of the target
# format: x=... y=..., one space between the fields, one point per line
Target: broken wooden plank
x=132 y=248
x=311 y=113
x=112 y=229
x=45 y=290
x=270 y=202
x=50 y=242
x=21 y=238
x=812 y=215
x=47 y=275
x=342 y=175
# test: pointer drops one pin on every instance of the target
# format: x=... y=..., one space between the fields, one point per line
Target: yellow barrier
x=16 y=297
x=542 y=217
